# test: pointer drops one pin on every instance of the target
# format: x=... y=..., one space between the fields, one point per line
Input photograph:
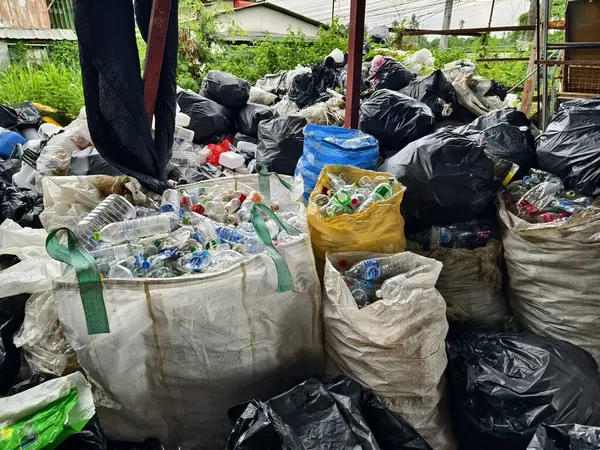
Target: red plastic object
x=216 y=150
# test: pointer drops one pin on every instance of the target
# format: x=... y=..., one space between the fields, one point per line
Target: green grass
x=53 y=85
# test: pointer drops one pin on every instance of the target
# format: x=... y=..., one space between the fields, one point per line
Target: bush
x=58 y=86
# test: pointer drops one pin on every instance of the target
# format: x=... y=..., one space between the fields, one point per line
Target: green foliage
x=58 y=86
x=64 y=53
x=18 y=52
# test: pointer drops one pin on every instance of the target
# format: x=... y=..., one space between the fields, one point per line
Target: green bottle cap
x=96 y=235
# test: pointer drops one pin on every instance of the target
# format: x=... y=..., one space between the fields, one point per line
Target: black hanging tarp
x=113 y=87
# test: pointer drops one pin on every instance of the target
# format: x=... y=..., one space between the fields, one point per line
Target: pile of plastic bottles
x=376 y=278
x=468 y=235
x=191 y=232
x=541 y=198
x=347 y=197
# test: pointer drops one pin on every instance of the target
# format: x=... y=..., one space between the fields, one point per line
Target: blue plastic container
x=8 y=141
x=334 y=145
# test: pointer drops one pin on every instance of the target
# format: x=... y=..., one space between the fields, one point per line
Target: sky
x=475 y=13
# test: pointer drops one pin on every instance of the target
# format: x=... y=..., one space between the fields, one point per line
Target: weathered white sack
x=181 y=351
x=554 y=277
x=394 y=347
x=472 y=283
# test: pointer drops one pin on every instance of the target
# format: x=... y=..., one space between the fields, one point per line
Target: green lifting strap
x=263 y=181
x=90 y=286
x=284 y=277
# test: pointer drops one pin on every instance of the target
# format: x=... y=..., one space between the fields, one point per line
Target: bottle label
x=384 y=190
x=372 y=269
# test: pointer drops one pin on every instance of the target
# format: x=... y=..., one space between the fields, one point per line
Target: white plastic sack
x=329 y=113
x=394 y=347
x=420 y=61
x=472 y=282
x=36 y=270
x=181 y=351
x=554 y=276
x=261 y=97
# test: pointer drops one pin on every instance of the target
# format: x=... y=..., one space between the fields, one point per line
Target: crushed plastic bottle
x=382 y=192
x=468 y=235
x=253 y=245
x=170 y=201
x=362 y=291
x=382 y=268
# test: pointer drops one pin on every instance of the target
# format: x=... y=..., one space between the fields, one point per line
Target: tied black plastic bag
x=20 y=116
x=251 y=115
x=435 y=91
x=395 y=119
x=225 y=89
x=314 y=415
x=387 y=73
x=21 y=205
x=507 y=384
x=280 y=145
x=208 y=119
x=448 y=179
x=114 y=91
x=565 y=437
x=8 y=168
x=310 y=88
x=505 y=134
x=12 y=313
x=570 y=146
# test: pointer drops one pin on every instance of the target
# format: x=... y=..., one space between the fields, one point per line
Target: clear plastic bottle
x=223 y=259
x=321 y=200
x=206 y=230
x=381 y=193
x=159 y=259
x=362 y=291
x=215 y=210
x=550 y=217
x=199 y=261
x=470 y=235
x=130 y=230
x=141 y=211
x=229 y=235
x=382 y=268
x=169 y=201
x=337 y=181
x=120 y=270
x=232 y=205
x=367 y=183
x=185 y=201
x=115 y=208
x=177 y=238
x=117 y=252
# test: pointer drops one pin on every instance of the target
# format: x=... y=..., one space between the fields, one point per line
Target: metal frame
x=355 y=46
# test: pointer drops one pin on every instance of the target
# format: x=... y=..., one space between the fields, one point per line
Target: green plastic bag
x=50 y=424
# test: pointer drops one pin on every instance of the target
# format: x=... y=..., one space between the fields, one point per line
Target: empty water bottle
x=382 y=268
x=468 y=235
x=367 y=183
x=253 y=245
x=120 y=270
x=362 y=291
x=381 y=193
x=116 y=252
x=169 y=201
x=114 y=208
x=199 y=261
x=130 y=230
x=205 y=227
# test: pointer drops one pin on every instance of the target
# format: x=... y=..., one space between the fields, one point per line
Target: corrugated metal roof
x=24 y=14
x=39 y=34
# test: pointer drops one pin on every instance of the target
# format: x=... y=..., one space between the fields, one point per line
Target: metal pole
x=545 y=106
x=355 y=44
x=332 y=10
x=446 y=23
x=157 y=36
x=491 y=13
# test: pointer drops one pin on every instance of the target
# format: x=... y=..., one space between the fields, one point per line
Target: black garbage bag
x=389 y=74
x=239 y=137
x=505 y=134
x=309 y=88
x=379 y=35
x=114 y=91
x=208 y=119
x=565 y=437
x=448 y=177
x=20 y=116
x=395 y=119
x=35 y=380
x=335 y=414
x=570 y=146
x=498 y=89
x=225 y=89
x=12 y=313
x=8 y=168
x=21 y=205
x=280 y=145
x=504 y=385
x=92 y=437
x=435 y=91
x=251 y=115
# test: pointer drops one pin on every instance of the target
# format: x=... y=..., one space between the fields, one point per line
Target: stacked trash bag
x=428 y=281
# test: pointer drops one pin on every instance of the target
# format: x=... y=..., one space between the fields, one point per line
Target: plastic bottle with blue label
x=229 y=235
x=381 y=268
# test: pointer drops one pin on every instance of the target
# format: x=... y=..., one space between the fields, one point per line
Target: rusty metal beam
x=157 y=36
x=355 y=47
x=485 y=60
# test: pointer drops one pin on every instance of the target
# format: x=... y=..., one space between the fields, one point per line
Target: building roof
x=282 y=10
x=40 y=34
